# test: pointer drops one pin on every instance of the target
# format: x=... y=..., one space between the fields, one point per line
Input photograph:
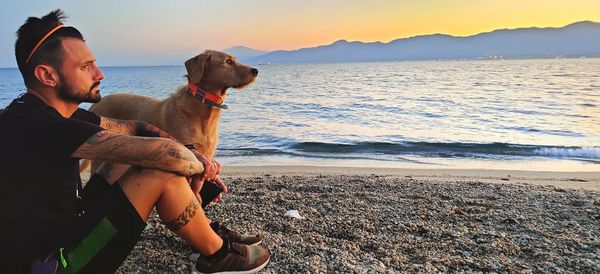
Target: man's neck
x=50 y=98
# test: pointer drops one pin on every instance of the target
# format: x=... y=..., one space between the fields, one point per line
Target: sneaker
x=234 y=236
x=240 y=258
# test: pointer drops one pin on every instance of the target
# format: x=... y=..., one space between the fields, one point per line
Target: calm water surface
x=518 y=114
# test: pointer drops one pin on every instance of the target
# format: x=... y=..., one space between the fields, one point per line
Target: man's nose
x=99 y=74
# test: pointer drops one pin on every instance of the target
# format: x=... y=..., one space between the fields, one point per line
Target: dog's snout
x=254 y=72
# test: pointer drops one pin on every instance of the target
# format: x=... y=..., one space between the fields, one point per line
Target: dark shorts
x=102 y=238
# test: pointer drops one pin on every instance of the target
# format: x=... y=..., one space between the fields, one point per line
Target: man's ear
x=47 y=75
x=195 y=67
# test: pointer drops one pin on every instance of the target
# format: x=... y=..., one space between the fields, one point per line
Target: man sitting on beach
x=48 y=218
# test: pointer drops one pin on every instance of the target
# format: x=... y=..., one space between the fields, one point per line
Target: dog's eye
x=229 y=61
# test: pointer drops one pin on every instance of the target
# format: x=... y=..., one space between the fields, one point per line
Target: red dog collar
x=206 y=96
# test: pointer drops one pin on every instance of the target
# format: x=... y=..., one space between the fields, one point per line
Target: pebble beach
x=400 y=221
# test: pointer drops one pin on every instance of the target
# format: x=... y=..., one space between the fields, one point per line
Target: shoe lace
x=236 y=248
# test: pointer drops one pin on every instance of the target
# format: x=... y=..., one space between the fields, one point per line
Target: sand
x=570 y=180
x=366 y=220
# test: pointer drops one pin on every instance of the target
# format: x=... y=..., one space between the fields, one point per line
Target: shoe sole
x=254 y=270
x=195 y=255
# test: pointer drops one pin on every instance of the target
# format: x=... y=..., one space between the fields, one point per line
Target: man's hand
x=196 y=183
x=211 y=167
x=222 y=185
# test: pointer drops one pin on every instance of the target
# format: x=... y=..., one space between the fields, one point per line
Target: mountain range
x=244 y=53
x=581 y=39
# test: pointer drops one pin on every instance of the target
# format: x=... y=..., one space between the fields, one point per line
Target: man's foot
x=234 y=236
x=235 y=258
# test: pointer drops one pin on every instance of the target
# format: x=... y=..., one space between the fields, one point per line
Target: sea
x=539 y=115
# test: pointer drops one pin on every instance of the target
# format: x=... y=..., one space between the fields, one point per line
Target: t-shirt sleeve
x=65 y=135
x=85 y=115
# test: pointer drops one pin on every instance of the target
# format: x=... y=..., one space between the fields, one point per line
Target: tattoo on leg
x=185 y=216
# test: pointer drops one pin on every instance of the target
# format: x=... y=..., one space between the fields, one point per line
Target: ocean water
x=517 y=114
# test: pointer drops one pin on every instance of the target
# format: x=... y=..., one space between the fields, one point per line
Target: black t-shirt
x=38 y=176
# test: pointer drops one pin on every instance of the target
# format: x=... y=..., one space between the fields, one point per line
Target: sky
x=135 y=32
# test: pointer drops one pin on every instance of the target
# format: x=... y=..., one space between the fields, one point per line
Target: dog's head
x=218 y=71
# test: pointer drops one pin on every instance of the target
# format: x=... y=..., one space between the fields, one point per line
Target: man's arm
x=156 y=153
x=140 y=128
x=133 y=128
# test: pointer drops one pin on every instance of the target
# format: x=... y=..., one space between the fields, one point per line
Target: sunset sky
x=136 y=32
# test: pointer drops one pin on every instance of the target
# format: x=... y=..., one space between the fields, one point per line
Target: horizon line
x=390 y=61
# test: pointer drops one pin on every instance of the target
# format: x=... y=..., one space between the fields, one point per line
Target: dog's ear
x=195 y=67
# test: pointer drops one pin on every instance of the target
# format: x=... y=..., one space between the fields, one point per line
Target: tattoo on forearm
x=160 y=151
x=134 y=128
x=139 y=151
x=184 y=218
x=117 y=126
x=147 y=130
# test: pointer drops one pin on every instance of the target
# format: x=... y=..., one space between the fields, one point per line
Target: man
x=47 y=218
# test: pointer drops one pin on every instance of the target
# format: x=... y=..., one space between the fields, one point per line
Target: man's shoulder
x=27 y=112
x=86 y=115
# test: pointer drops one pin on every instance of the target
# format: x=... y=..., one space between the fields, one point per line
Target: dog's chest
x=205 y=141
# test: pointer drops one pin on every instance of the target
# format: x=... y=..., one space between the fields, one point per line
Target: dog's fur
x=181 y=115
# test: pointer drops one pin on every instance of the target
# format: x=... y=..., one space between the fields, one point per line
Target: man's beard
x=66 y=92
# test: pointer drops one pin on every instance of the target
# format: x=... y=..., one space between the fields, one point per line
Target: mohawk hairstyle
x=50 y=51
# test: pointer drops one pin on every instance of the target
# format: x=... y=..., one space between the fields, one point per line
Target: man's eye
x=85 y=67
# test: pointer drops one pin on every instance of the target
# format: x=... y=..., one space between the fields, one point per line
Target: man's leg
x=140 y=190
x=175 y=202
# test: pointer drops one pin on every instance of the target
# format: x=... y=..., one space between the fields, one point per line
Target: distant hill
x=243 y=53
x=580 y=39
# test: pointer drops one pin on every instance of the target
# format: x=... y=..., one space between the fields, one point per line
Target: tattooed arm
x=139 y=128
x=155 y=153
x=133 y=128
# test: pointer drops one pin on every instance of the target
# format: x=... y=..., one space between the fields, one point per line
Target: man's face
x=79 y=77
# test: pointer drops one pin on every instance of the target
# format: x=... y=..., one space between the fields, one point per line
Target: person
x=48 y=218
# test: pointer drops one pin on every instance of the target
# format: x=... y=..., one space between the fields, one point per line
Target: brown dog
x=191 y=114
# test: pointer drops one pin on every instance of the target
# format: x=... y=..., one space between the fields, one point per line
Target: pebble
x=384 y=224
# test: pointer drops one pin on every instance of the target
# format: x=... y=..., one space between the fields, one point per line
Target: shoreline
x=571 y=180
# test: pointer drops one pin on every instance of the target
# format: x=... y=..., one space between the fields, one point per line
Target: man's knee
x=145 y=187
